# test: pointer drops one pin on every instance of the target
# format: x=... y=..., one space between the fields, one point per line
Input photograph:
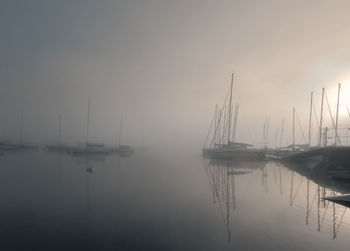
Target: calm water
x=163 y=201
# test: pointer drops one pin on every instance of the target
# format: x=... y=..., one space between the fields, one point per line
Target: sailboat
x=122 y=148
x=90 y=148
x=9 y=146
x=223 y=144
x=323 y=156
x=59 y=147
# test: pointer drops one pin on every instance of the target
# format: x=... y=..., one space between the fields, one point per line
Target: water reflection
x=20 y=167
x=117 y=203
x=324 y=206
x=59 y=160
x=89 y=171
x=320 y=190
x=326 y=185
x=223 y=176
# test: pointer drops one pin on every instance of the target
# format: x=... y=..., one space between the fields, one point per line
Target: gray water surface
x=163 y=201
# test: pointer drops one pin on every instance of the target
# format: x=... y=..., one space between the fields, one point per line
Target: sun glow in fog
x=344 y=97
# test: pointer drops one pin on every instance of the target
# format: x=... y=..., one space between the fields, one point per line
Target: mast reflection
x=305 y=190
x=221 y=177
x=325 y=185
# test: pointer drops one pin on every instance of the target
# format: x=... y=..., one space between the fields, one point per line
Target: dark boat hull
x=234 y=154
x=322 y=158
x=342 y=199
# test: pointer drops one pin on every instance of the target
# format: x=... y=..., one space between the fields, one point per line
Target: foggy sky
x=163 y=65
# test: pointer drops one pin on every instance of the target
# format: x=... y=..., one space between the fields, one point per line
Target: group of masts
x=100 y=148
x=224 y=131
x=88 y=148
x=223 y=144
x=335 y=124
x=323 y=132
x=224 y=124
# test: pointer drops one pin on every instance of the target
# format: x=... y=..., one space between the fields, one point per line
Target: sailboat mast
x=219 y=127
x=336 y=119
x=230 y=113
x=206 y=138
x=293 y=127
x=321 y=119
x=267 y=132
x=216 y=124
x=310 y=119
x=235 y=122
x=88 y=124
x=264 y=132
x=224 y=124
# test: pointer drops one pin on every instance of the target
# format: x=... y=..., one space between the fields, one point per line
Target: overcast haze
x=163 y=65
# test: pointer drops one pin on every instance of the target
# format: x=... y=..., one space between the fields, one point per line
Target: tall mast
x=216 y=124
x=224 y=124
x=336 y=118
x=206 y=138
x=321 y=120
x=230 y=113
x=219 y=127
x=21 y=129
x=267 y=132
x=235 y=123
x=264 y=132
x=310 y=119
x=59 y=130
x=293 y=127
x=88 y=124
